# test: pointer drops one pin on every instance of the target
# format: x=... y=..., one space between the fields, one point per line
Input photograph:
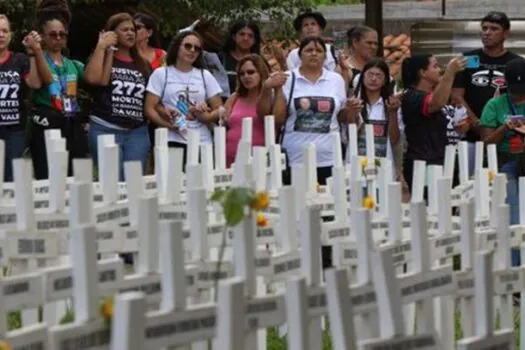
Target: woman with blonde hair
x=252 y=71
x=120 y=76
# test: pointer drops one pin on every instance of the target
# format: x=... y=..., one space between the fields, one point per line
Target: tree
x=176 y=14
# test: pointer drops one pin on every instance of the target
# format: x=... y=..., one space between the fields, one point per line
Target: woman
x=120 y=75
x=148 y=47
x=55 y=104
x=189 y=93
x=374 y=104
x=14 y=77
x=244 y=38
x=311 y=106
x=427 y=117
x=362 y=46
x=148 y=40
x=251 y=73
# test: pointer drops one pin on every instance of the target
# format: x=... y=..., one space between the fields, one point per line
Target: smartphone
x=472 y=62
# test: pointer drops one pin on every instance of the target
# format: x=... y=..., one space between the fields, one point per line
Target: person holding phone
x=502 y=124
x=484 y=76
x=426 y=112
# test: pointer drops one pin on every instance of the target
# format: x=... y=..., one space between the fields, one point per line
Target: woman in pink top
x=252 y=71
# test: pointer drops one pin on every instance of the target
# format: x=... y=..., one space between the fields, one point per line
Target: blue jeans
x=14 y=148
x=134 y=145
x=510 y=170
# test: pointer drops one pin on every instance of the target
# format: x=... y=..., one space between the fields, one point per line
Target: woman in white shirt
x=311 y=105
x=375 y=104
x=189 y=93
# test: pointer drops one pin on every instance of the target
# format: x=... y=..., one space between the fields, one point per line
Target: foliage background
x=89 y=16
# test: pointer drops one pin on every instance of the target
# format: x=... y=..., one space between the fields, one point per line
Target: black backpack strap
x=283 y=128
x=332 y=50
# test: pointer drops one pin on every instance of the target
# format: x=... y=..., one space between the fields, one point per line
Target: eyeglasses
x=191 y=47
x=139 y=26
x=372 y=75
x=58 y=35
x=247 y=72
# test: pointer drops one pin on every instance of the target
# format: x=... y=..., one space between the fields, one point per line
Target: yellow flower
x=368 y=202
x=5 y=346
x=262 y=221
x=364 y=162
x=492 y=175
x=261 y=201
x=106 y=310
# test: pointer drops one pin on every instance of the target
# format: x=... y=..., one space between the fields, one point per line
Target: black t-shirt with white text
x=426 y=133
x=483 y=83
x=121 y=103
x=12 y=90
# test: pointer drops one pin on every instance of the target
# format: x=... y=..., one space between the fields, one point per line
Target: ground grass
x=274 y=342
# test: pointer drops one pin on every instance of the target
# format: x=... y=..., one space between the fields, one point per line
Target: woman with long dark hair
x=244 y=38
x=252 y=72
x=427 y=115
x=120 y=75
x=189 y=93
x=375 y=104
x=15 y=77
x=148 y=43
x=55 y=104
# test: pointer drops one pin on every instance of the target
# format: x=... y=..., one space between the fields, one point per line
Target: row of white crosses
x=215 y=175
x=238 y=312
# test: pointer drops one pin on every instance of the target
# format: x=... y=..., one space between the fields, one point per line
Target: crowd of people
x=315 y=90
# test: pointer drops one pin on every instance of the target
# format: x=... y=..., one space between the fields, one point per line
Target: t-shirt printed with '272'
x=12 y=73
x=122 y=102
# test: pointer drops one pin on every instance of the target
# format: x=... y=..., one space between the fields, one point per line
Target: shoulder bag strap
x=165 y=83
x=283 y=128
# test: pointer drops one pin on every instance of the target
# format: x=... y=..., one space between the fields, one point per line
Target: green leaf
x=235 y=201
x=217 y=195
x=69 y=317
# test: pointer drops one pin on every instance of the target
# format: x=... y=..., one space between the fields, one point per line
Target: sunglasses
x=58 y=35
x=191 y=47
x=247 y=72
x=139 y=26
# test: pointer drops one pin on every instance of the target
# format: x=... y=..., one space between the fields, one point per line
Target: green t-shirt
x=61 y=94
x=495 y=114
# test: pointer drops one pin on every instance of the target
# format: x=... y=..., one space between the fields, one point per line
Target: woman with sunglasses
x=148 y=47
x=252 y=71
x=120 y=75
x=15 y=76
x=55 y=104
x=190 y=94
x=148 y=40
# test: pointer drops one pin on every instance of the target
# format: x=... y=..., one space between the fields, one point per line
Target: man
x=501 y=125
x=474 y=87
